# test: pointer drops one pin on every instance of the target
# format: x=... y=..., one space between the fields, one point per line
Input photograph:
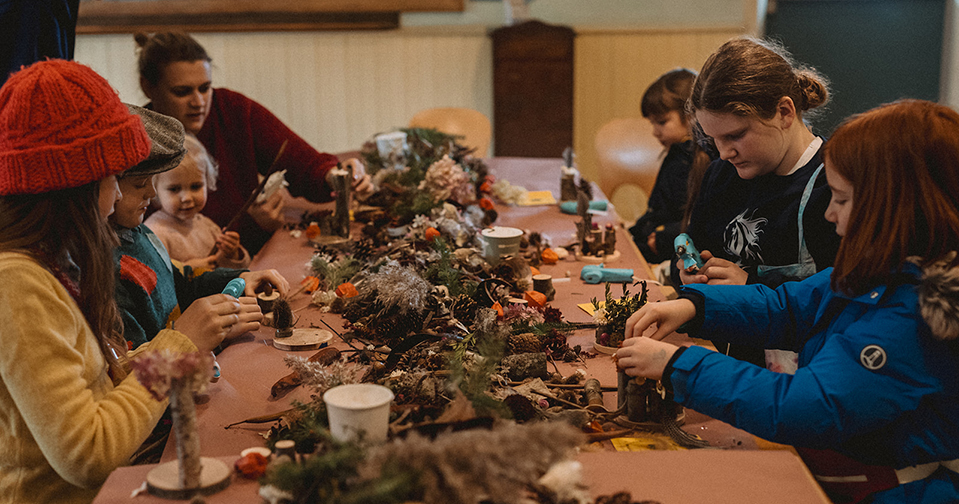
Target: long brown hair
x=161 y=49
x=902 y=160
x=748 y=77
x=58 y=225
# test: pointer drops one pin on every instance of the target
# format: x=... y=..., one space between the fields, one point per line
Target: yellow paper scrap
x=535 y=198
x=651 y=443
x=588 y=307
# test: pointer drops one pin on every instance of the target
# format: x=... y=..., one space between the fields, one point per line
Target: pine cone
x=362 y=249
x=463 y=308
x=524 y=343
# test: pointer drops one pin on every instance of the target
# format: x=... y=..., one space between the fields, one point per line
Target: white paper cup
x=391 y=143
x=500 y=241
x=359 y=411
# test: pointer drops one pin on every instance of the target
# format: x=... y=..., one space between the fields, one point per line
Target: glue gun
x=688 y=253
x=233 y=288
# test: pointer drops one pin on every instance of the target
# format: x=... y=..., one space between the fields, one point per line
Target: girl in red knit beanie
x=71 y=412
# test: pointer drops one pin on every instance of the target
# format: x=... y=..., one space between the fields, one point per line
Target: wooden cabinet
x=532 y=89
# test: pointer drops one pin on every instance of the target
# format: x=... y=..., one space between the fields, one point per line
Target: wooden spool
x=304 y=339
x=163 y=480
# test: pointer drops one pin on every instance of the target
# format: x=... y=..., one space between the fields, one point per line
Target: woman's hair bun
x=141 y=38
x=813 y=88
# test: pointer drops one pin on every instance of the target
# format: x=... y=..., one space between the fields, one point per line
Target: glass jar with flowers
x=611 y=315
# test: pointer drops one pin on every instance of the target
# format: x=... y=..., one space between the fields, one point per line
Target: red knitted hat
x=63 y=126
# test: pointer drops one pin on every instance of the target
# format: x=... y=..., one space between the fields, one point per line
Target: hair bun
x=141 y=38
x=813 y=89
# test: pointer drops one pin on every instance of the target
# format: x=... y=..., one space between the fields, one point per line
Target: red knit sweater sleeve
x=305 y=167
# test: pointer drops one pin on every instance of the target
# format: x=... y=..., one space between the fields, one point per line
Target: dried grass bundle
x=467 y=467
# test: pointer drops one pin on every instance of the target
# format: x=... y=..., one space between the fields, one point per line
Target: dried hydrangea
x=447 y=180
x=518 y=313
x=157 y=369
x=508 y=193
x=599 y=316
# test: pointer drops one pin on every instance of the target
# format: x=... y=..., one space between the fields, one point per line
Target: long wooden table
x=250 y=365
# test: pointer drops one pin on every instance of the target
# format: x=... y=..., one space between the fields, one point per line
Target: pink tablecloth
x=669 y=477
x=250 y=366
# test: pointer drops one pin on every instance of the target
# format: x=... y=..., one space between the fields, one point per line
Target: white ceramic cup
x=500 y=241
x=359 y=411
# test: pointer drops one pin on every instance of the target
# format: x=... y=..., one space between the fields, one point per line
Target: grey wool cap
x=166 y=136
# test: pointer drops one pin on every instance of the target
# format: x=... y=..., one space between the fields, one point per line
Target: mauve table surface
x=250 y=365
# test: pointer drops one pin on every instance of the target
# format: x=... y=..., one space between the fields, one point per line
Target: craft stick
x=256 y=192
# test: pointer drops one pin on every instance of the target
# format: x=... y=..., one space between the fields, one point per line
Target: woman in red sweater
x=241 y=135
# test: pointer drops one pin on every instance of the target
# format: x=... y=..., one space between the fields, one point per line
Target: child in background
x=874 y=407
x=72 y=413
x=664 y=105
x=759 y=214
x=189 y=235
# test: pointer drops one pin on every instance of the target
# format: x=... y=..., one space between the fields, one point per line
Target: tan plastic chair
x=473 y=125
x=629 y=160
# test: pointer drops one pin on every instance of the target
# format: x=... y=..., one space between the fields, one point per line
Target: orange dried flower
x=313 y=231
x=535 y=299
x=593 y=427
x=499 y=308
x=431 y=233
x=310 y=283
x=486 y=203
x=486 y=186
x=534 y=270
x=549 y=256
x=346 y=290
x=251 y=466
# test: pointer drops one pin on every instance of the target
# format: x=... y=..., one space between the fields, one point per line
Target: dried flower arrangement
x=435 y=169
x=611 y=315
x=178 y=376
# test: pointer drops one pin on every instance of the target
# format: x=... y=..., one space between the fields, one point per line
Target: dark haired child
x=664 y=105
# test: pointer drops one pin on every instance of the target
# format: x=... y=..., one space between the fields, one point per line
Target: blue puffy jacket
x=877 y=383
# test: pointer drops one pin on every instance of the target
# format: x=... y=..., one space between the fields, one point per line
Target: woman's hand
x=644 y=357
x=254 y=279
x=269 y=214
x=228 y=245
x=209 y=319
x=248 y=320
x=666 y=315
x=362 y=183
x=721 y=272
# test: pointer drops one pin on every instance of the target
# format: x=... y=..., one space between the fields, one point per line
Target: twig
x=263 y=419
x=569 y=386
x=561 y=401
x=603 y=436
x=256 y=192
x=340 y=336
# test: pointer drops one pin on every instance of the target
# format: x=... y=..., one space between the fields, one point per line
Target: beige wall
x=334 y=89
x=337 y=89
x=613 y=70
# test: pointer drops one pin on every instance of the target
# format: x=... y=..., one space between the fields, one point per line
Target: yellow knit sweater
x=63 y=425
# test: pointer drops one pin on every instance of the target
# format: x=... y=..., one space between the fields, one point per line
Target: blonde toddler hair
x=204 y=162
